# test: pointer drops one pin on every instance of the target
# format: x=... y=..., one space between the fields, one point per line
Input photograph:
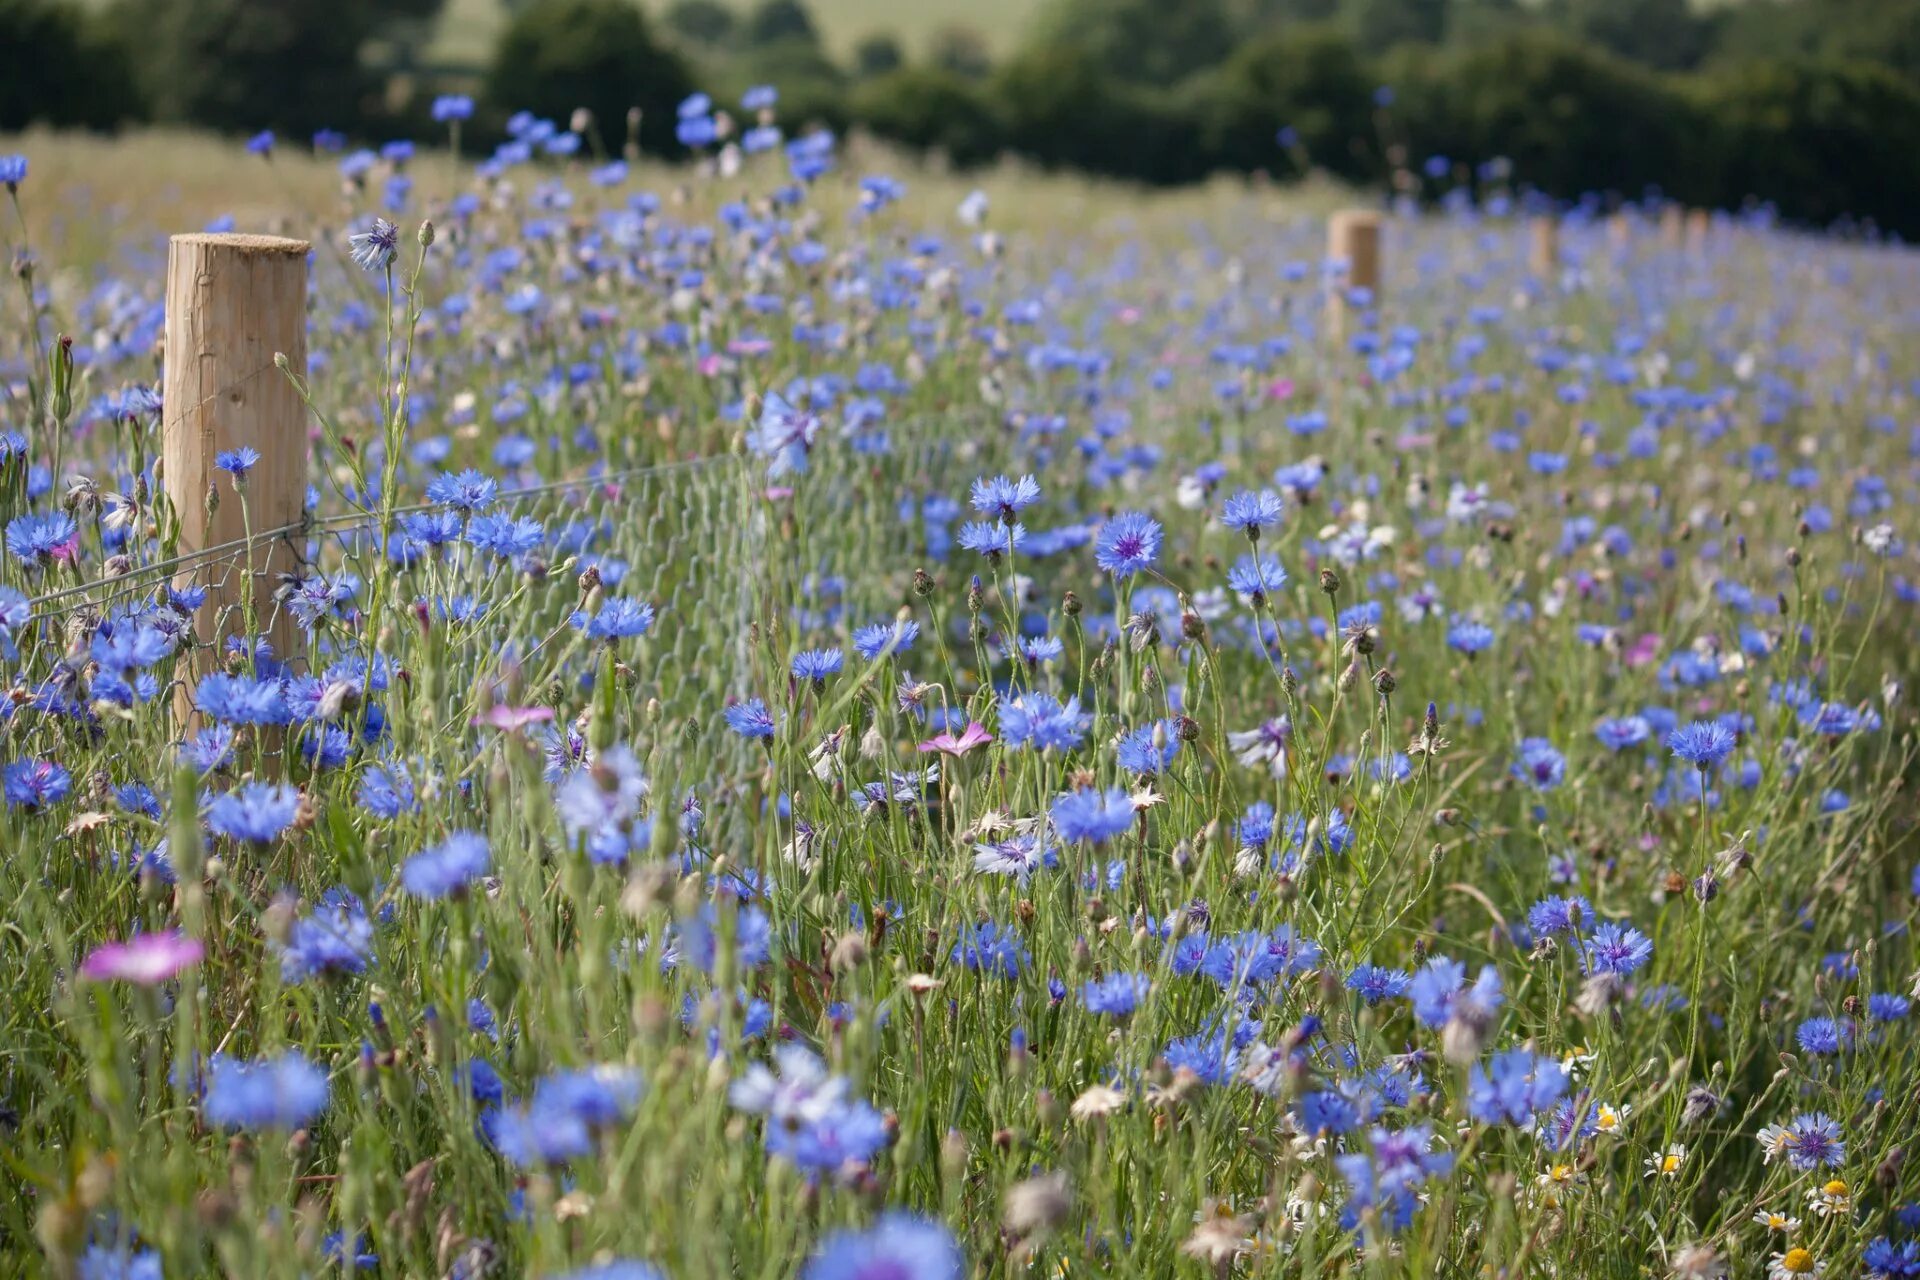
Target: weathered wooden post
x=1619 y=233
x=1543 y=251
x=1672 y=225
x=1353 y=237
x=234 y=302
x=1699 y=221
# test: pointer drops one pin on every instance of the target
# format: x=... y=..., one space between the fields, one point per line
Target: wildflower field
x=850 y=727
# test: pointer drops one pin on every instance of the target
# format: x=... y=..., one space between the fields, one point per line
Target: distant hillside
x=468 y=27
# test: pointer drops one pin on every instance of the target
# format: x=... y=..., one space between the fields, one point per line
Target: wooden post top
x=243 y=241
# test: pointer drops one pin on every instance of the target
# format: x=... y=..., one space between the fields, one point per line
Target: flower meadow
x=827 y=738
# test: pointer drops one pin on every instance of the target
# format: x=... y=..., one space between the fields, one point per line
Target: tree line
x=1812 y=106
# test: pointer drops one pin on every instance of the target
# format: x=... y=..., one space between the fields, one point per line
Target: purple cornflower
x=1812 y=1140
x=1127 y=544
x=1539 y=765
x=375 y=248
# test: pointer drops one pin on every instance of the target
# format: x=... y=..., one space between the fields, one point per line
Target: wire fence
x=509 y=595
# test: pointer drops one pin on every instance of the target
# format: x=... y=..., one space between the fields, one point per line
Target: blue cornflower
x=448 y=867
x=1005 y=497
x=117 y=1262
x=885 y=638
x=451 y=107
x=242 y=699
x=621 y=619
x=1621 y=732
x=1250 y=512
x=237 y=462
x=1617 y=949
x=13 y=172
x=386 y=791
x=256 y=812
x=35 y=784
x=900 y=1246
x=988 y=948
x=1253 y=958
x=1043 y=722
x=1039 y=649
x=752 y=937
x=469 y=491
x=849 y=1132
x=1886 y=1007
x=614 y=1269
x=1326 y=1112
x=1885 y=1260
x=336 y=939
x=1115 y=996
x=505 y=536
x=375 y=248
x=1127 y=544
x=1559 y=915
x=1374 y=984
x=1703 y=744
x=817 y=664
x=992 y=540
x=1256 y=577
x=1514 y=1087
x=286 y=1092
x=1539 y=764
x=1823 y=1036
x=1470 y=637
x=1092 y=815
x=1139 y=752
x=1439 y=992
x=36 y=539
x=567 y=1108
x=760 y=97
x=750 y=719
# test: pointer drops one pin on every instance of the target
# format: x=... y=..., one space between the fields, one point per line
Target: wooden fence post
x=1543 y=251
x=235 y=302
x=1672 y=226
x=1699 y=222
x=1353 y=237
